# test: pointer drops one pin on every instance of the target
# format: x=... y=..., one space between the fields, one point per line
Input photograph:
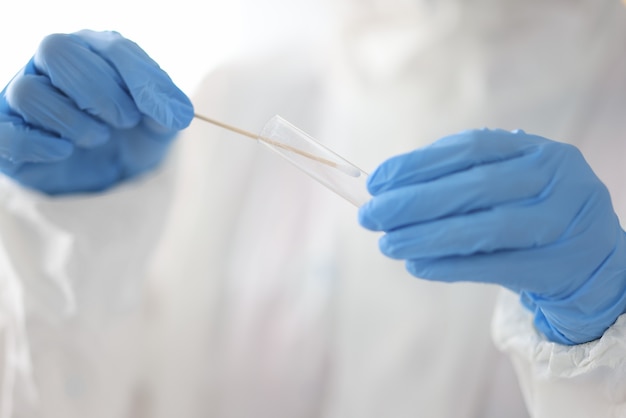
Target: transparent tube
x=319 y=162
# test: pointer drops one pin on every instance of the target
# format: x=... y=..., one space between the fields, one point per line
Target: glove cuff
x=584 y=315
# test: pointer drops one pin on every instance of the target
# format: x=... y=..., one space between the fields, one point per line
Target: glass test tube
x=325 y=166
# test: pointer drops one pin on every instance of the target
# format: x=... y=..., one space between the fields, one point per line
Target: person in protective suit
x=156 y=266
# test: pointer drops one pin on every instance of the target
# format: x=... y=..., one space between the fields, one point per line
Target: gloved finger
x=152 y=89
x=21 y=144
x=88 y=171
x=519 y=270
x=514 y=269
x=86 y=78
x=512 y=227
x=478 y=188
x=450 y=155
x=42 y=106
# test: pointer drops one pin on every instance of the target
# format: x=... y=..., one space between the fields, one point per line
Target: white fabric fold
x=589 y=375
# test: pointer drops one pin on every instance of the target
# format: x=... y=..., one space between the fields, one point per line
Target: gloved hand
x=507 y=208
x=88 y=111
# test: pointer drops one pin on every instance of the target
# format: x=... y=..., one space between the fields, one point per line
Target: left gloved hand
x=88 y=111
x=512 y=209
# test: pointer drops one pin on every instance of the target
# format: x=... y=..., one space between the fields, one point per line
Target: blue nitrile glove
x=507 y=208
x=88 y=111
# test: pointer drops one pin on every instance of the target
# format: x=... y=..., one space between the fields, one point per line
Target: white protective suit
x=230 y=285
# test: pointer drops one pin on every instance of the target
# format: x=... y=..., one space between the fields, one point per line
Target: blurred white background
x=186 y=37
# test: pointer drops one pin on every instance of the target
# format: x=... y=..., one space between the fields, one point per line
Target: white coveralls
x=230 y=285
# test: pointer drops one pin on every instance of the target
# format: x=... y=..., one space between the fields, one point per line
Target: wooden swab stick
x=346 y=169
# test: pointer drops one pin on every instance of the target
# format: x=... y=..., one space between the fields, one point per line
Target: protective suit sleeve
x=71 y=271
x=584 y=380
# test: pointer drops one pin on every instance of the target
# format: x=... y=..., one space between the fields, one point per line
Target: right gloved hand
x=89 y=110
x=508 y=208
